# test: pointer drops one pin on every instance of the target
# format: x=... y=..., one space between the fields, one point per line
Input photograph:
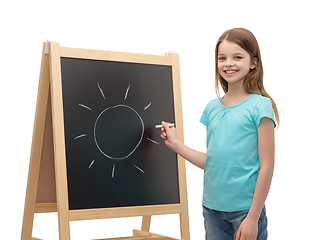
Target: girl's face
x=234 y=62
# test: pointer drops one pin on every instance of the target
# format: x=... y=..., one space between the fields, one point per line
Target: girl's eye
x=222 y=58
x=238 y=58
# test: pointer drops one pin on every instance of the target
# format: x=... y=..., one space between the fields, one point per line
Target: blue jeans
x=224 y=225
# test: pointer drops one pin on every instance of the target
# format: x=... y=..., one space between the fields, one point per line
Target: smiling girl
x=239 y=161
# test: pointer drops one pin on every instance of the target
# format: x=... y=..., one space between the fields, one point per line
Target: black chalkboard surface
x=114 y=154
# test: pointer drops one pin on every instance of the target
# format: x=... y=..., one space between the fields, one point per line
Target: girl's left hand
x=248 y=230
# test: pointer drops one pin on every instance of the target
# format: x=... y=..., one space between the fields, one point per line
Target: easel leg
x=36 y=150
x=59 y=142
x=184 y=226
x=146 y=221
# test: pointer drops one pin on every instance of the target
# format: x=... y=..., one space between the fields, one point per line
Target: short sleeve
x=263 y=109
x=205 y=115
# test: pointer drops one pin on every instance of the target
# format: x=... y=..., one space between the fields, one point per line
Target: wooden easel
x=47 y=178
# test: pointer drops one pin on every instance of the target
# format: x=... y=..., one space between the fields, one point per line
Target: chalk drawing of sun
x=130 y=134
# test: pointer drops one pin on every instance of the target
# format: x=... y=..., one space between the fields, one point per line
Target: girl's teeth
x=230 y=71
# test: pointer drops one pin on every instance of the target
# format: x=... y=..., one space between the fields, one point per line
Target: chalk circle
x=118 y=131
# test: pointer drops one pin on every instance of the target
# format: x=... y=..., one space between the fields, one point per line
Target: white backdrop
x=285 y=32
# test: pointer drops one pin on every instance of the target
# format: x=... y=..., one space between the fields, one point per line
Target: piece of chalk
x=160 y=126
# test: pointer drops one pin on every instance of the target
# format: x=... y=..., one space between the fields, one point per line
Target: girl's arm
x=266 y=151
x=169 y=136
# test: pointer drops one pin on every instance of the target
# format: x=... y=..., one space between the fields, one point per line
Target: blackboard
x=114 y=154
x=86 y=97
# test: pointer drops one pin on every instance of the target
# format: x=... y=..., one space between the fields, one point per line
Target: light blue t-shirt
x=232 y=162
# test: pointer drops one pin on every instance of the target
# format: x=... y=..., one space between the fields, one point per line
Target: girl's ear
x=253 y=65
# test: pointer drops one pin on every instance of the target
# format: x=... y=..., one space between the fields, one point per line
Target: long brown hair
x=253 y=82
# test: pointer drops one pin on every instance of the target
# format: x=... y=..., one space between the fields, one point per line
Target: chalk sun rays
x=82 y=136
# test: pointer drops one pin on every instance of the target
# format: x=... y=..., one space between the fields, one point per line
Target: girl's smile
x=230 y=72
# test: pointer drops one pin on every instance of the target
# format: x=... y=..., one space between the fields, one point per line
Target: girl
x=238 y=165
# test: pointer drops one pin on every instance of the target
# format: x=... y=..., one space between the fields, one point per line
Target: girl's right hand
x=170 y=139
x=169 y=135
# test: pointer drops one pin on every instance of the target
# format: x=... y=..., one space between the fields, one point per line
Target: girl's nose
x=229 y=63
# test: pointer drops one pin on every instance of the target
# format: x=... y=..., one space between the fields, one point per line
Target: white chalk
x=170 y=125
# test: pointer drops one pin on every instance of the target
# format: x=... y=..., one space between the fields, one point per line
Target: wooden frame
x=47 y=178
